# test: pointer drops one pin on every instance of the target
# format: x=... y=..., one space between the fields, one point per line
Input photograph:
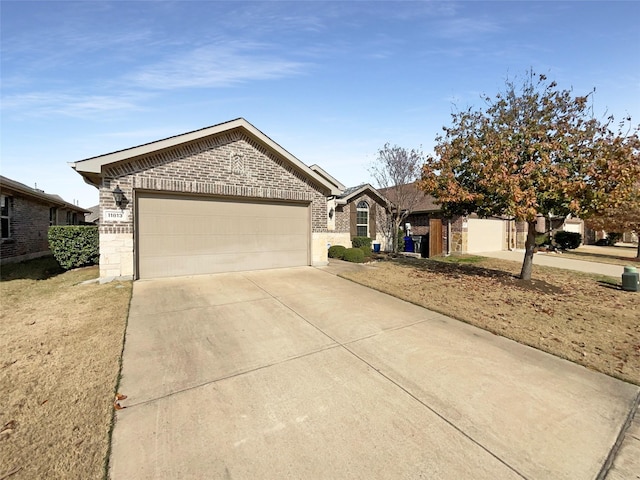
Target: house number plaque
x=116 y=215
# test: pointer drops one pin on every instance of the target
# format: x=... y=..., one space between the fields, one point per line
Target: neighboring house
x=220 y=199
x=357 y=212
x=354 y=212
x=461 y=234
x=26 y=215
x=93 y=215
x=550 y=225
x=425 y=219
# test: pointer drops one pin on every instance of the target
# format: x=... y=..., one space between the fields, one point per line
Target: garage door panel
x=157 y=266
x=194 y=235
x=485 y=235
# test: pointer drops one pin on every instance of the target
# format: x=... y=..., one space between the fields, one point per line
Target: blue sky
x=331 y=82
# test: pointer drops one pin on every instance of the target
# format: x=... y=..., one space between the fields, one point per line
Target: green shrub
x=613 y=237
x=367 y=251
x=568 y=240
x=358 y=242
x=74 y=246
x=610 y=240
x=336 y=251
x=542 y=239
x=354 y=255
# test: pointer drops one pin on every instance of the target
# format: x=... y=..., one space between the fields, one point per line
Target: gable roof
x=93 y=214
x=323 y=173
x=51 y=199
x=425 y=203
x=353 y=192
x=91 y=168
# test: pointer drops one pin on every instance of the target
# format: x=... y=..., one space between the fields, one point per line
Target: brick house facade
x=27 y=214
x=233 y=161
x=345 y=224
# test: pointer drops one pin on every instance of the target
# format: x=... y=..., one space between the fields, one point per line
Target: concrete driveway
x=296 y=373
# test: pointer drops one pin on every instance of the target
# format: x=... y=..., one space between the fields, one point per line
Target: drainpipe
x=448 y=237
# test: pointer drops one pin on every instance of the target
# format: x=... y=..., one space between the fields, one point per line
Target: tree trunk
x=530 y=245
x=394 y=234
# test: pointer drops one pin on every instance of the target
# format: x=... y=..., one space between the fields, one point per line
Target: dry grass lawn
x=59 y=361
x=580 y=317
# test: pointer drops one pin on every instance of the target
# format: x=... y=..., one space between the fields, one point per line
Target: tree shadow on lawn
x=473 y=270
x=37 y=269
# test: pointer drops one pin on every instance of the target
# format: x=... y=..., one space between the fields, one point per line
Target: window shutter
x=353 y=227
x=372 y=221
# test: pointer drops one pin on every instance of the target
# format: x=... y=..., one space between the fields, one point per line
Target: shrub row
x=337 y=251
x=354 y=255
x=74 y=246
x=361 y=250
x=358 y=242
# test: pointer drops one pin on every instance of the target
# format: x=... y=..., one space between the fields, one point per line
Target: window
x=72 y=218
x=362 y=219
x=53 y=216
x=5 y=216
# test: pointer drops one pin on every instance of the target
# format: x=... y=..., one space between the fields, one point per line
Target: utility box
x=631 y=279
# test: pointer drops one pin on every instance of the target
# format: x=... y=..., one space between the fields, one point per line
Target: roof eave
x=364 y=188
x=12 y=185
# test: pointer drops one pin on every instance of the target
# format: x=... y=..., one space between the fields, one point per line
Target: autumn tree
x=619 y=220
x=533 y=150
x=396 y=170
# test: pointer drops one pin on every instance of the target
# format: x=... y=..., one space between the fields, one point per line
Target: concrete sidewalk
x=557 y=261
x=296 y=373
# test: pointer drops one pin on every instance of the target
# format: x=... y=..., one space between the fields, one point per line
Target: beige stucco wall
x=116 y=256
x=319 y=250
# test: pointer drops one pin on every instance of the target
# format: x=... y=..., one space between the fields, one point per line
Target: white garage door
x=572 y=227
x=485 y=235
x=178 y=235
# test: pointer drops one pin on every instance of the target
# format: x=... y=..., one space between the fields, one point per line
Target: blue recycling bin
x=376 y=247
x=408 y=244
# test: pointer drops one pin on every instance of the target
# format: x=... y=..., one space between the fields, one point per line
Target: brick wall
x=29 y=223
x=230 y=164
x=343 y=221
x=419 y=223
x=343 y=213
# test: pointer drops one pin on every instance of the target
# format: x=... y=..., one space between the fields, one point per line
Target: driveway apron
x=296 y=373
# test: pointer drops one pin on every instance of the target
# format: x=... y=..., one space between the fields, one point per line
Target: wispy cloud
x=66 y=104
x=217 y=65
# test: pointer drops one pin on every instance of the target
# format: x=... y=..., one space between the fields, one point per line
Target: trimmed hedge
x=336 y=251
x=354 y=255
x=358 y=242
x=367 y=251
x=74 y=246
x=568 y=240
